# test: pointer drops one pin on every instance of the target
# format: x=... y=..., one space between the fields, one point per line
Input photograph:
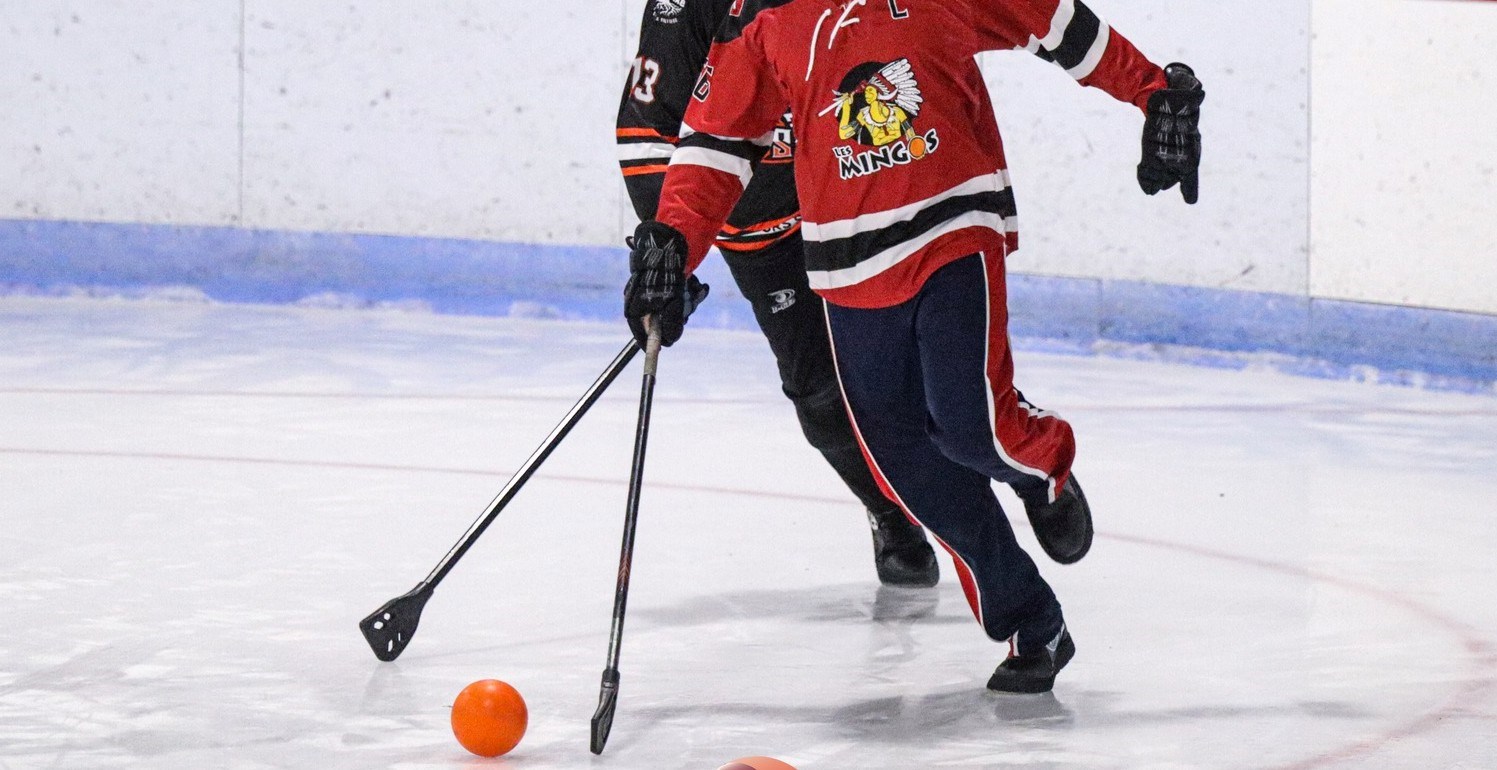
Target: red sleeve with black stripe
x=1074 y=38
x=729 y=125
x=674 y=38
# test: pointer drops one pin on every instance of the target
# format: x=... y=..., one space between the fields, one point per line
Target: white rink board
x=1073 y=154
x=1405 y=174
x=120 y=112
x=493 y=120
x=463 y=118
x=470 y=119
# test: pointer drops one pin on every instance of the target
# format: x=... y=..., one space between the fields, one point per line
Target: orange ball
x=917 y=148
x=489 y=717
x=756 y=763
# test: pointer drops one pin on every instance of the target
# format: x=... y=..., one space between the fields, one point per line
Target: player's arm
x=728 y=126
x=1073 y=37
x=671 y=52
x=1070 y=35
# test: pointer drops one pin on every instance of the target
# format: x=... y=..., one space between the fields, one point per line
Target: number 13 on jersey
x=643 y=74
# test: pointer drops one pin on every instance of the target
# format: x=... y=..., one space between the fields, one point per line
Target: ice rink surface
x=198 y=503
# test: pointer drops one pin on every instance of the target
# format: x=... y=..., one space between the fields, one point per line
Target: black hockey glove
x=658 y=286
x=1172 y=135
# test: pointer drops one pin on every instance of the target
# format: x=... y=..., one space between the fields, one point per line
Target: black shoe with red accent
x=1034 y=671
x=1064 y=527
x=900 y=553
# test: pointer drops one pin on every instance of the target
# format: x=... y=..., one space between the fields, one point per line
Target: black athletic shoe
x=1034 y=672
x=900 y=553
x=1064 y=527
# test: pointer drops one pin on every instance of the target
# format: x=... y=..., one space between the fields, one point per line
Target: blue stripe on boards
x=1324 y=338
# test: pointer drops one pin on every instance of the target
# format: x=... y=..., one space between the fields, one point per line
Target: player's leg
x=881 y=372
x=980 y=420
x=773 y=279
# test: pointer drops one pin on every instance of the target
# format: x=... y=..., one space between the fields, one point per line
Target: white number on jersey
x=644 y=74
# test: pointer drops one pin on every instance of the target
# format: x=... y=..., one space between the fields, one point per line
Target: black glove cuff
x=1170 y=101
x=1182 y=96
x=1181 y=77
x=657 y=246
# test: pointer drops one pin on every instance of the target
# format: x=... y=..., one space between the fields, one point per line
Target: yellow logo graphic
x=876 y=105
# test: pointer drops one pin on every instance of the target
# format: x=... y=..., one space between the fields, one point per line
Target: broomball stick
x=390 y=628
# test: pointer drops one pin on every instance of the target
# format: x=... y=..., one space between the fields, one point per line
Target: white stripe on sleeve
x=722 y=161
x=1064 y=12
x=759 y=141
x=650 y=151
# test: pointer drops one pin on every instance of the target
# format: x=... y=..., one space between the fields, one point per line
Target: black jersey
x=674 y=38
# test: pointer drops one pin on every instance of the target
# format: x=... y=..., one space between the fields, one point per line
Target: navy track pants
x=929 y=385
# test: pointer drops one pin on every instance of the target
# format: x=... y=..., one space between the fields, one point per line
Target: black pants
x=794 y=322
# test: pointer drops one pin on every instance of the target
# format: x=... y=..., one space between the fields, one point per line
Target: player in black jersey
x=761 y=244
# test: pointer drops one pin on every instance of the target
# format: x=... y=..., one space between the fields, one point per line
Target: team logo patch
x=783 y=299
x=668 y=11
x=875 y=106
x=782 y=149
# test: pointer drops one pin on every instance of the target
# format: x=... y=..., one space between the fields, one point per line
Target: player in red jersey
x=907 y=218
x=761 y=243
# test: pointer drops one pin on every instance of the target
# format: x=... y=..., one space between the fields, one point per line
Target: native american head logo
x=876 y=105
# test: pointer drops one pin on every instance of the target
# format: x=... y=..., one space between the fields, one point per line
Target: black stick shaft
x=603 y=721
x=534 y=462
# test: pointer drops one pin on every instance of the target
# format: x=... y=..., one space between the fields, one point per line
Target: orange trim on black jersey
x=766 y=225
x=658 y=168
x=744 y=248
x=647 y=133
x=725 y=243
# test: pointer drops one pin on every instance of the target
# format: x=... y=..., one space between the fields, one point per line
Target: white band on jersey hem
x=651 y=151
x=722 y=161
x=878 y=263
x=997 y=181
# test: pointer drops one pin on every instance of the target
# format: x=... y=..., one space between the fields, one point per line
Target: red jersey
x=899 y=165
